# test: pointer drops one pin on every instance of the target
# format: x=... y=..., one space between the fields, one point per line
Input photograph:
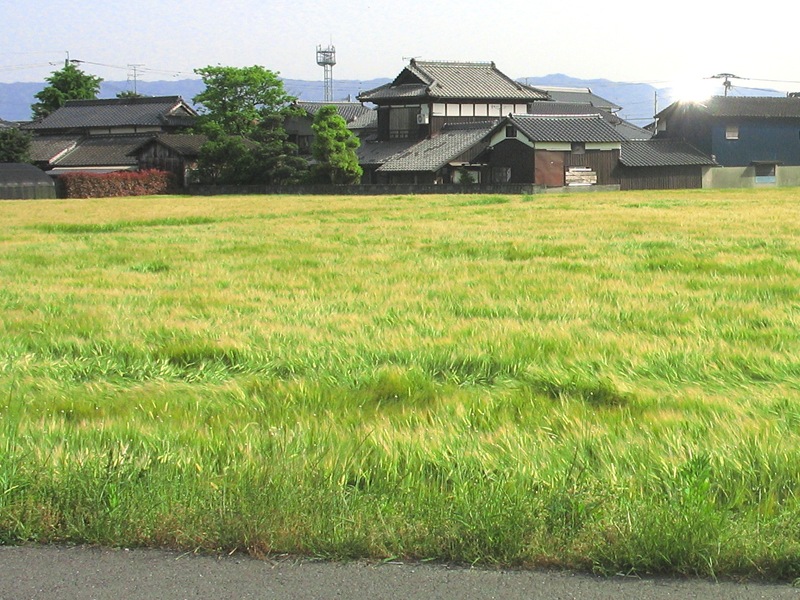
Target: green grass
x=604 y=382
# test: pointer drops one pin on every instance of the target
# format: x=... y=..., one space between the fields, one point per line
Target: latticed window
x=403 y=122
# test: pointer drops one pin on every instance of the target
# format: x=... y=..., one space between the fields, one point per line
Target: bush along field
x=604 y=382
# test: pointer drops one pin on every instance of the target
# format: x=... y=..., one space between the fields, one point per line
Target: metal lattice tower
x=326 y=58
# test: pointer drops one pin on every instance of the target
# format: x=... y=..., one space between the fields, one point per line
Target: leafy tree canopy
x=15 y=146
x=129 y=94
x=70 y=83
x=266 y=157
x=238 y=99
x=334 y=147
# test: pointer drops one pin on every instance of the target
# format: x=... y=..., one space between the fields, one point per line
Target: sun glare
x=693 y=90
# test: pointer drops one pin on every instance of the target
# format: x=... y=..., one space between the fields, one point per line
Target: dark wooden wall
x=660 y=178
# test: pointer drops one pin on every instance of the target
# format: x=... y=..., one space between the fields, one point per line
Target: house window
x=501 y=174
x=732 y=132
x=578 y=148
x=765 y=173
x=403 y=122
x=511 y=131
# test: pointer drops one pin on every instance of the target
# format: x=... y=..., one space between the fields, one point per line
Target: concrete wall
x=391 y=189
x=745 y=177
x=788 y=176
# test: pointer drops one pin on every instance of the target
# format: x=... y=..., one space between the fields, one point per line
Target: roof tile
x=566 y=128
x=116 y=112
x=453 y=80
x=432 y=154
x=662 y=153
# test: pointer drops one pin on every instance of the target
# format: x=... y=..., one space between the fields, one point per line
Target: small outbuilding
x=22 y=181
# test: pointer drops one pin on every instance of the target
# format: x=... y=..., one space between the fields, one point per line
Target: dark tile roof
x=434 y=153
x=662 y=153
x=115 y=151
x=349 y=111
x=373 y=153
x=744 y=106
x=412 y=91
x=566 y=128
x=46 y=148
x=627 y=130
x=186 y=144
x=738 y=106
x=369 y=120
x=632 y=132
x=580 y=95
x=117 y=112
x=561 y=108
x=439 y=80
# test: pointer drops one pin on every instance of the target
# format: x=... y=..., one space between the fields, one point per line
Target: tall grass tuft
x=603 y=382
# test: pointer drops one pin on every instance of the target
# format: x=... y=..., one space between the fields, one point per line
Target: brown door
x=549 y=168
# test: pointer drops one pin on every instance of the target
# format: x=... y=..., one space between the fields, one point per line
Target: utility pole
x=727 y=77
x=133 y=67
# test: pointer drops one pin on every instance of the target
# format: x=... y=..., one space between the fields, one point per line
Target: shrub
x=119 y=183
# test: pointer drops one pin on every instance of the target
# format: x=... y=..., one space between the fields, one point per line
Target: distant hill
x=16 y=98
x=639 y=101
x=636 y=99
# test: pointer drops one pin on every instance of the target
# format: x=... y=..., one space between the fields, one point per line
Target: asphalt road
x=66 y=573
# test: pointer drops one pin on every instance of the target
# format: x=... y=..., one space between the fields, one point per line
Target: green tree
x=238 y=99
x=129 y=94
x=225 y=160
x=15 y=146
x=276 y=159
x=242 y=111
x=70 y=83
x=334 y=148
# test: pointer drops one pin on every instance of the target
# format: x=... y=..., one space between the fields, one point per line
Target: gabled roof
x=438 y=80
x=766 y=107
x=47 y=148
x=629 y=131
x=376 y=153
x=662 y=153
x=579 y=95
x=565 y=128
x=117 y=112
x=349 y=111
x=369 y=120
x=434 y=153
x=113 y=151
x=186 y=144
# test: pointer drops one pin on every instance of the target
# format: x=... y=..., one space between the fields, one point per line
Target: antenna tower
x=326 y=58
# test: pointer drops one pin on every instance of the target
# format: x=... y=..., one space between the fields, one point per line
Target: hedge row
x=120 y=183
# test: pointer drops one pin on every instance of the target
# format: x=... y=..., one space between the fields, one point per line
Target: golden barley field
x=605 y=382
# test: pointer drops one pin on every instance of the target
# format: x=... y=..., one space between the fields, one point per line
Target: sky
x=680 y=43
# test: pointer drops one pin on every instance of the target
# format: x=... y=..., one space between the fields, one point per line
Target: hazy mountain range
x=639 y=101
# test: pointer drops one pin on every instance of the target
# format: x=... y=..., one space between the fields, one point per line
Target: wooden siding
x=602 y=162
x=660 y=178
x=515 y=155
x=162 y=158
